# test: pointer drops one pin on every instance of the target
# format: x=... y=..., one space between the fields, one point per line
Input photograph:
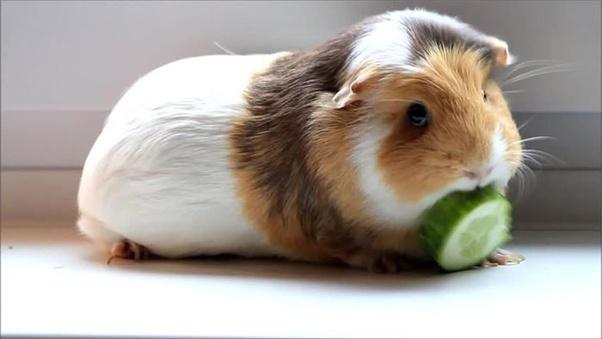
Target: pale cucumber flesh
x=475 y=237
x=463 y=228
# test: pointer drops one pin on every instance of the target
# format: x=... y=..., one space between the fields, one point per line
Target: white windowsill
x=54 y=284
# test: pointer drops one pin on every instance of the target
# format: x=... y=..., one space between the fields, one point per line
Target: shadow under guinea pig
x=268 y=269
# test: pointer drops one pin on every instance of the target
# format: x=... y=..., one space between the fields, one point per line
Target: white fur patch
x=159 y=173
x=386 y=42
x=380 y=200
x=501 y=169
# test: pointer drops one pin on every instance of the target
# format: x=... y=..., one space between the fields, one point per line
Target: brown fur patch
x=426 y=35
x=277 y=154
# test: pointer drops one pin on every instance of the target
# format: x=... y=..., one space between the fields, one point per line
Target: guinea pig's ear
x=353 y=90
x=502 y=54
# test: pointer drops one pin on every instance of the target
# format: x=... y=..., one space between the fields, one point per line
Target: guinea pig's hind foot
x=503 y=257
x=380 y=262
x=127 y=249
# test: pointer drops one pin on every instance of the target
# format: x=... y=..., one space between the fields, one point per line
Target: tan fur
x=450 y=84
x=330 y=153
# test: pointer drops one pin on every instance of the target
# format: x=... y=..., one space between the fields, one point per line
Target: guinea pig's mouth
x=497 y=176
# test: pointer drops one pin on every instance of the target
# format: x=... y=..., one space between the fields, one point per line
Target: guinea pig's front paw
x=503 y=257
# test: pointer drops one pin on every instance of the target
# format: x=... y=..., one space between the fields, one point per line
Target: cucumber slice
x=463 y=228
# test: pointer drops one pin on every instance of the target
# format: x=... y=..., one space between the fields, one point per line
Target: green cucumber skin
x=440 y=220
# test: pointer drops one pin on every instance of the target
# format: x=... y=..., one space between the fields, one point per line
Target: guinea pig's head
x=431 y=117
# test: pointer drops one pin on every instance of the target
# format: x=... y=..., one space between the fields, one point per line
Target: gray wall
x=64 y=64
x=80 y=55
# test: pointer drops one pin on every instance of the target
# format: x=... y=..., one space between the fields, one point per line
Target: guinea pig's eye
x=418 y=115
x=484 y=95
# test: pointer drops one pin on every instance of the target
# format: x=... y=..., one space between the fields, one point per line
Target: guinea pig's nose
x=478 y=174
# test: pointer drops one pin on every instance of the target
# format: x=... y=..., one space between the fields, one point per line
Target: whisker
x=533 y=179
x=224 y=49
x=542 y=68
x=517 y=178
x=525 y=123
x=521 y=179
x=537 y=157
x=543 y=154
x=537 y=72
x=539 y=137
x=513 y=91
x=529 y=158
x=529 y=63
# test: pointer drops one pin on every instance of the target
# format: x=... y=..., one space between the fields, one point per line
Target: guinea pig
x=327 y=155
